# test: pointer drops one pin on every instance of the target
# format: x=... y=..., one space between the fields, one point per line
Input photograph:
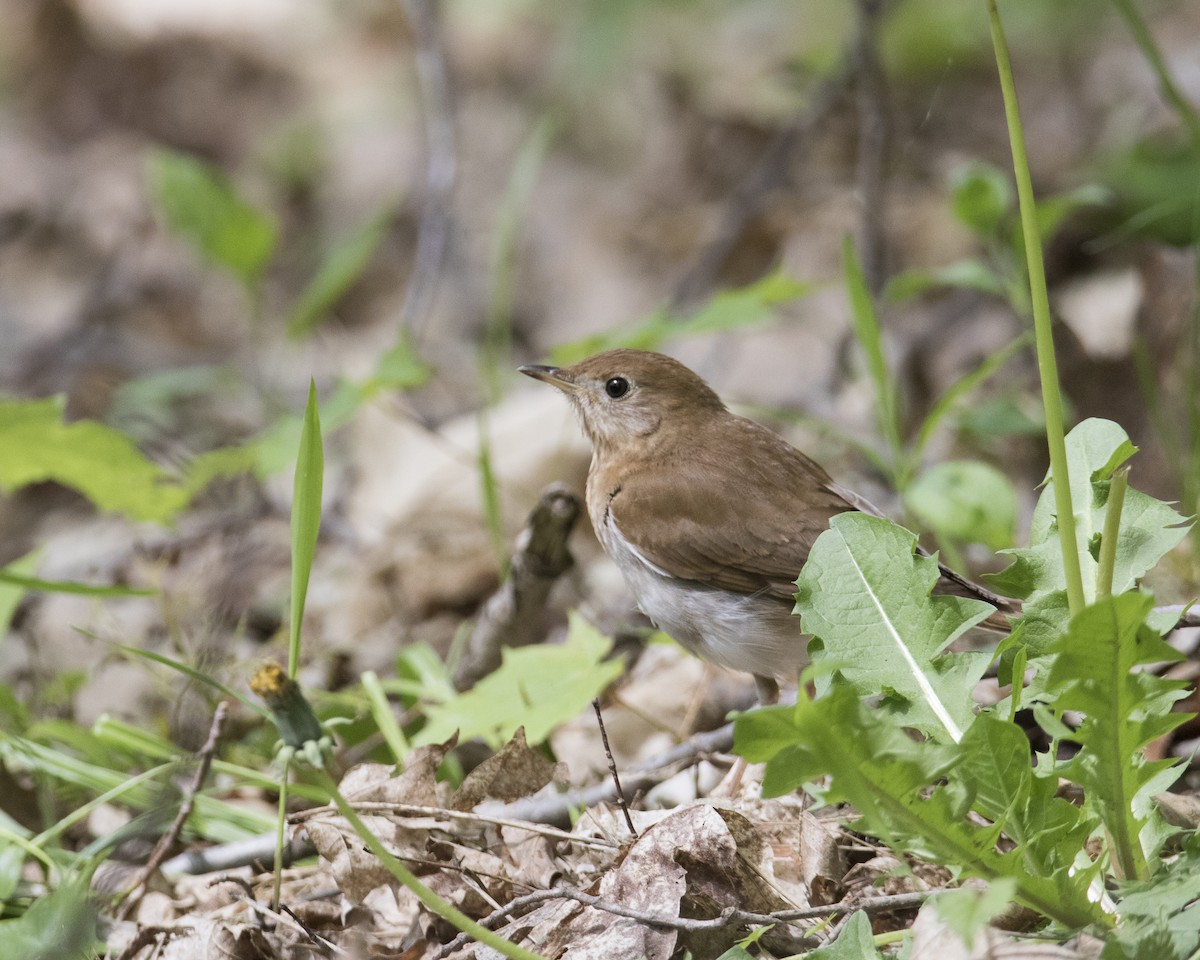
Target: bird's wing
x=746 y=527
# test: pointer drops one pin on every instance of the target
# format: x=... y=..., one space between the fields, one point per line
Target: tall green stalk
x=1044 y=338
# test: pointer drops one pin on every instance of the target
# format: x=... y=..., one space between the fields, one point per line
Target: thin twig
x=612 y=769
x=728 y=917
x=557 y=809
x=171 y=837
x=146 y=936
x=325 y=945
x=441 y=163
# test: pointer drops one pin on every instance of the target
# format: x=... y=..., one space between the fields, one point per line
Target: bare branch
x=171 y=837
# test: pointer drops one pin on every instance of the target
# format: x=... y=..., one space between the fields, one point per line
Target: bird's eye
x=616 y=387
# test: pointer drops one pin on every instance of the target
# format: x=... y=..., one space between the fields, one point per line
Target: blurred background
x=204 y=204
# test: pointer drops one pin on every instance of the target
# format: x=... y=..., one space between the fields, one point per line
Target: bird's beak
x=550 y=375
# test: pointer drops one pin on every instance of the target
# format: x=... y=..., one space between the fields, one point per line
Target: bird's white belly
x=749 y=632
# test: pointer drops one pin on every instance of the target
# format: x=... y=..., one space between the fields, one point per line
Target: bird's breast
x=755 y=633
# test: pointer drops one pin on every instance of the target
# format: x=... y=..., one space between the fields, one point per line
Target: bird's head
x=624 y=397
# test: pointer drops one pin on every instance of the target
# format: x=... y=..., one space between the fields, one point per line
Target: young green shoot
x=1112 y=528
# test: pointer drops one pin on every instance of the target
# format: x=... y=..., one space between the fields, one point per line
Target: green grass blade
x=866 y=329
x=70 y=586
x=1047 y=367
x=306 y=519
x=199 y=677
x=385 y=720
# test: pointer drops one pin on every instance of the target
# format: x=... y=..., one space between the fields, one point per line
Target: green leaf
x=1158 y=185
x=961 y=274
x=537 y=687
x=982 y=199
x=1015 y=415
x=912 y=794
x=995 y=757
x=1053 y=211
x=1149 y=527
x=855 y=942
x=866 y=594
x=965 y=500
x=1093 y=673
x=86 y=456
x=341 y=269
x=1160 y=918
x=967 y=911
x=306 y=519
x=200 y=202
x=728 y=310
x=12 y=857
x=59 y=925
x=399 y=368
x=994 y=761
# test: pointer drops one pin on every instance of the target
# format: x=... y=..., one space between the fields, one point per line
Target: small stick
x=728 y=917
x=612 y=769
x=168 y=839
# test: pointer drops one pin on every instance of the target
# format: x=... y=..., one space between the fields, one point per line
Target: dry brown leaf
x=417 y=784
x=532 y=856
x=515 y=771
x=211 y=938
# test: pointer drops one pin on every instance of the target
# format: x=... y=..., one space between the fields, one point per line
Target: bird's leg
x=768 y=696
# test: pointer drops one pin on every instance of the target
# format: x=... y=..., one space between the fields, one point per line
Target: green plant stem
x=447 y=911
x=1047 y=368
x=1166 y=83
x=1112 y=530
